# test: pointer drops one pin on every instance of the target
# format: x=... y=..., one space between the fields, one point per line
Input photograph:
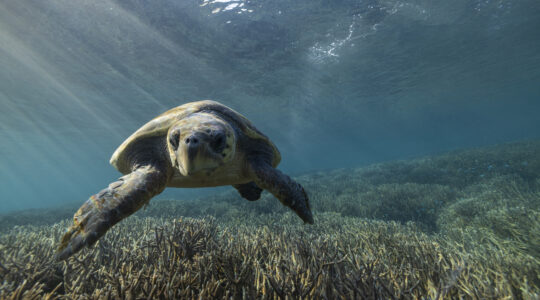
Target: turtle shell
x=159 y=127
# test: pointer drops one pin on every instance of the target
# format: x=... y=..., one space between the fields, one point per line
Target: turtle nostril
x=192 y=140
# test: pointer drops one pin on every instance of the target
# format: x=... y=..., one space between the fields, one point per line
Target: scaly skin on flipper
x=289 y=192
x=101 y=211
x=249 y=191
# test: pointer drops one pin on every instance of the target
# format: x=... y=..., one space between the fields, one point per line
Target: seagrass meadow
x=464 y=224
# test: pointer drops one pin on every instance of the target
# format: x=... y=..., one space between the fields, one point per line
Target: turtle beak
x=197 y=151
x=184 y=166
x=181 y=169
x=193 y=147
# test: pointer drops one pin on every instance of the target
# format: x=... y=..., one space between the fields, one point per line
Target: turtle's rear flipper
x=288 y=191
x=249 y=190
x=101 y=211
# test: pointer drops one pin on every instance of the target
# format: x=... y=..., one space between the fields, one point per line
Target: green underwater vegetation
x=464 y=224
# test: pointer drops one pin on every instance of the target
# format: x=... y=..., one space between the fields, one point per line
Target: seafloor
x=460 y=225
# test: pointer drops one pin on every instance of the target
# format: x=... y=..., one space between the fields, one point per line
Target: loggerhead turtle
x=198 y=144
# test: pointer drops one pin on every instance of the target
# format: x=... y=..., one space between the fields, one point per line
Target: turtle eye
x=174 y=139
x=219 y=142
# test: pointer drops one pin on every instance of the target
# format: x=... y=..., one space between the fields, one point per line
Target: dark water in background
x=333 y=83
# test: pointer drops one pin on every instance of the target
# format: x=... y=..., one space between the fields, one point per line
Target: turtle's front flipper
x=114 y=203
x=288 y=191
x=249 y=190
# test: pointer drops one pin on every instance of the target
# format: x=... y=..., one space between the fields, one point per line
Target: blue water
x=332 y=83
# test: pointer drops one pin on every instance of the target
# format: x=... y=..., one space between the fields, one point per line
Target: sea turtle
x=198 y=144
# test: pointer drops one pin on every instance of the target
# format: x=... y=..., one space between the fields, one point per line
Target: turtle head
x=199 y=142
